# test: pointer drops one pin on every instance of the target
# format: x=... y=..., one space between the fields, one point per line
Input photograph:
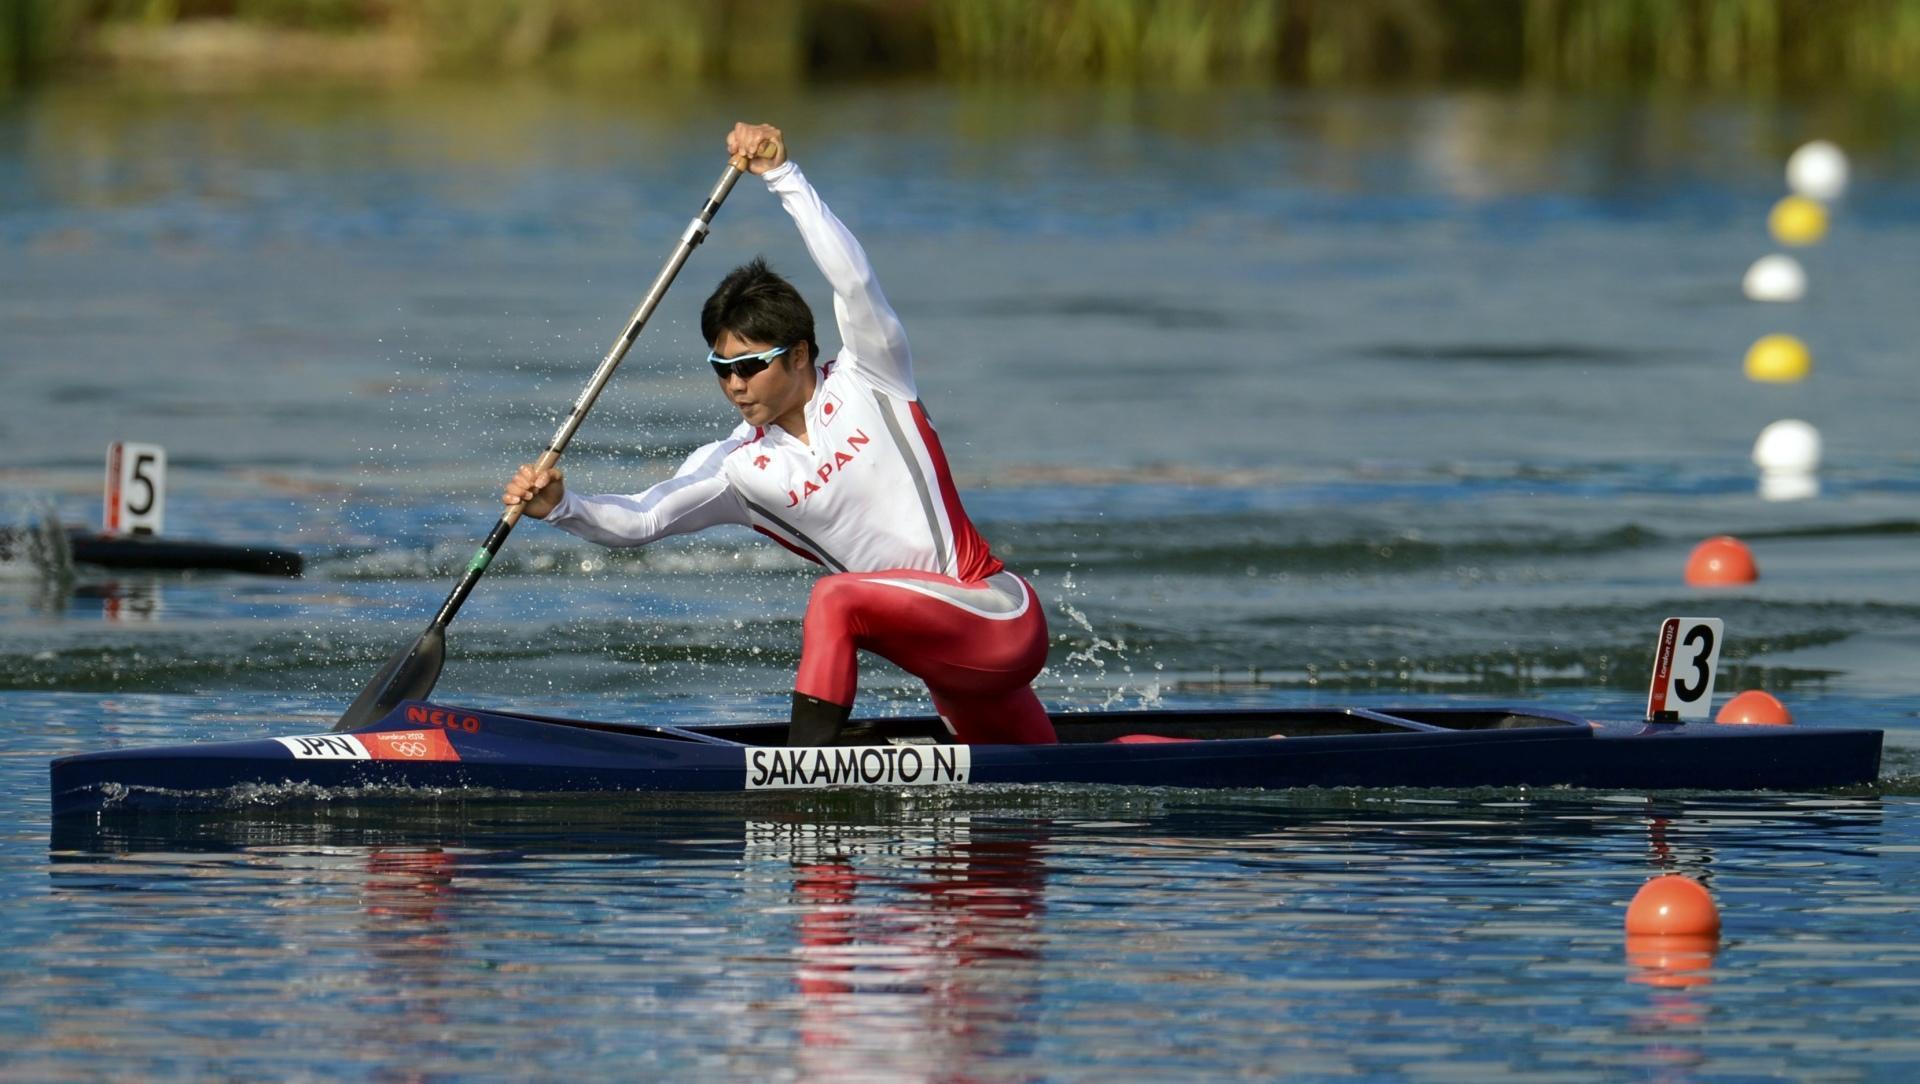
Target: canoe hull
x=180 y=555
x=432 y=751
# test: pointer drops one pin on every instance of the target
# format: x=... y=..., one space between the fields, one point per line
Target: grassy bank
x=1713 y=44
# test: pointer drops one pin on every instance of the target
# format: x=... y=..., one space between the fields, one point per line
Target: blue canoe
x=434 y=750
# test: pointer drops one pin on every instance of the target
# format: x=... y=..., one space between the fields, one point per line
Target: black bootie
x=816 y=721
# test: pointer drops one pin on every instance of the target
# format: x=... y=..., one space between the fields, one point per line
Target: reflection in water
x=406 y=900
x=105 y=149
x=1671 y=960
x=972 y=935
x=1672 y=1017
x=134 y=599
x=916 y=958
x=1676 y=1016
x=911 y=948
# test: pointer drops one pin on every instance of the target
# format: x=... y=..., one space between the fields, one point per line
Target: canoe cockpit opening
x=700 y=734
x=900 y=730
x=1483 y=718
x=1134 y=727
x=1148 y=728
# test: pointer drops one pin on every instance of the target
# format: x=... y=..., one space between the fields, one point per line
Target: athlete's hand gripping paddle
x=410 y=675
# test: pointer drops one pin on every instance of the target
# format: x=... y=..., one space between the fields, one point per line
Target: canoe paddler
x=837 y=461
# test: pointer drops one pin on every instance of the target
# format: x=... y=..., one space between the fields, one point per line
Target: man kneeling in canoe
x=839 y=463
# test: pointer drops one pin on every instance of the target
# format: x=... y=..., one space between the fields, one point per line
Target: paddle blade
x=409 y=675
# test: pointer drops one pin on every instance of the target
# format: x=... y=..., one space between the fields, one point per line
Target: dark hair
x=755 y=303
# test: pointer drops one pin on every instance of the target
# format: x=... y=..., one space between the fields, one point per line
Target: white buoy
x=1818 y=171
x=1775 y=277
x=1788 y=446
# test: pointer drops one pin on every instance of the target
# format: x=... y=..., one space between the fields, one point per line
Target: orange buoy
x=1673 y=906
x=1721 y=561
x=1756 y=707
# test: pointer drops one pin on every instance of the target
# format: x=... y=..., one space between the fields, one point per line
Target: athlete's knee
x=1012 y=717
x=832 y=598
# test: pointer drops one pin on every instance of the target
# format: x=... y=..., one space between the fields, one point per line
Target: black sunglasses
x=746 y=366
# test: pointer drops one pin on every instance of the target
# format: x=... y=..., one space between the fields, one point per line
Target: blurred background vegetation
x=1731 y=45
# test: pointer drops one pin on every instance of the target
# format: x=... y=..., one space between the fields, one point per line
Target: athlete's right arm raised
x=695 y=498
x=872 y=341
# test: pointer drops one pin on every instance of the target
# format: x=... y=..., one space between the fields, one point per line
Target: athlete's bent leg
x=977 y=645
x=1014 y=717
x=830 y=639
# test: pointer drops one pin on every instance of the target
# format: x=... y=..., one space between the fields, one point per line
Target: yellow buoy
x=1797 y=220
x=1778 y=359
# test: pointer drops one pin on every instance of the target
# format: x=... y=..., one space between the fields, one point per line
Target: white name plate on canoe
x=325 y=747
x=858 y=766
x=379 y=745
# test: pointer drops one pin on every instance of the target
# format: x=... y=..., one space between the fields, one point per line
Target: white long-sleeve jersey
x=869 y=490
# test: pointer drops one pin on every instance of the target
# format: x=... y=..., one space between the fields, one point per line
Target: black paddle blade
x=409 y=675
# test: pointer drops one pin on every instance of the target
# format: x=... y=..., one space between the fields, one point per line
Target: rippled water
x=1016 y=935
x=1279 y=400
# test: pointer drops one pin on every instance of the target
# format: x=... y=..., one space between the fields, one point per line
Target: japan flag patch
x=830 y=408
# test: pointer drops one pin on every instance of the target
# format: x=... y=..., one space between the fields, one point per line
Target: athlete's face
x=778 y=391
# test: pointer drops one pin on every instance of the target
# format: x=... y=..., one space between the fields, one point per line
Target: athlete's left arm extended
x=695 y=498
x=871 y=337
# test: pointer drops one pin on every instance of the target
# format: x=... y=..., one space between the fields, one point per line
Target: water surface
x=1278 y=399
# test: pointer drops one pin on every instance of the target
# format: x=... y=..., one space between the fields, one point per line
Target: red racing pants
x=977 y=644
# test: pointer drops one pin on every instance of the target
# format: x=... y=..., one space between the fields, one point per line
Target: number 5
x=144 y=503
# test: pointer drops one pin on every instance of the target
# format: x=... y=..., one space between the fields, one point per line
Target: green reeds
x=1717 y=44
x=674 y=40
x=1720 y=44
x=1182 y=41
x=34 y=36
x=23 y=45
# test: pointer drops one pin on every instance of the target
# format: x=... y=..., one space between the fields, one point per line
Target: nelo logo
x=443 y=719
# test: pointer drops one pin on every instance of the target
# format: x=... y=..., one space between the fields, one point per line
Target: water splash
x=33 y=545
x=1098 y=652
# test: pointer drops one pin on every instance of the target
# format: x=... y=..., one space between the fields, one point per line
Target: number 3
x=1703 y=635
